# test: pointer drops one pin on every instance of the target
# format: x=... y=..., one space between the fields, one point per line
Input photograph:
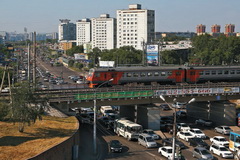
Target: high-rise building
x=215 y=28
x=201 y=29
x=230 y=30
x=83 y=30
x=135 y=26
x=103 y=32
x=66 y=30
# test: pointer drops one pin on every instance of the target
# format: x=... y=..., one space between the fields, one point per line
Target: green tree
x=74 y=49
x=27 y=107
x=4 y=110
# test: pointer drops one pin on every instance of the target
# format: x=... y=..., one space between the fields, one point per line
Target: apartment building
x=103 y=32
x=66 y=30
x=135 y=26
x=83 y=31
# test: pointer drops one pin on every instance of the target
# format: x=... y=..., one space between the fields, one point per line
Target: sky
x=43 y=16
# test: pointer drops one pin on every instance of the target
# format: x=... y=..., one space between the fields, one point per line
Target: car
x=165 y=107
x=183 y=127
x=151 y=133
x=197 y=133
x=220 y=141
x=202 y=153
x=166 y=151
x=79 y=81
x=179 y=105
x=184 y=135
x=146 y=140
x=197 y=142
x=115 y=146
x=181 y=114
x=221 y=151
x=204 y=122
x=104 y=120
x=168 y=142
x=223 y=129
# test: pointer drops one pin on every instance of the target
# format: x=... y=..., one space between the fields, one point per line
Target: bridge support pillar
x=220 y=112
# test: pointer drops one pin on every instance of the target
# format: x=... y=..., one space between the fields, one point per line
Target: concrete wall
x=67 y=150
x=220 y=112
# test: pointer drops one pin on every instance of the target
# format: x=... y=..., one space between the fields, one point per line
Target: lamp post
x=95 y=117
x=174 y=123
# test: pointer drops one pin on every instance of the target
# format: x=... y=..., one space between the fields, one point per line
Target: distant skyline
x=43 y=16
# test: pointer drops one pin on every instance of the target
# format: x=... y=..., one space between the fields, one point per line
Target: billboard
x=152 y=55
x=106 y=63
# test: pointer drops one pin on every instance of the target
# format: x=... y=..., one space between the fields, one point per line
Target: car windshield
x=149 y=139
x=198 y=139
x=115 y=143
x=198 y=131
x=223 y=149
x=204 y=152
x=184 y=125
x=150 y=132
x=222 y=139
x=109 y=111
x=227 y=128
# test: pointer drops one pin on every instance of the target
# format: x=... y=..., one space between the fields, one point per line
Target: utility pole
x=28 y=63
x=143 y=55
x=34 y=60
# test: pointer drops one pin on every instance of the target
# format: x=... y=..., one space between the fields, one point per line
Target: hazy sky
x=43 y=16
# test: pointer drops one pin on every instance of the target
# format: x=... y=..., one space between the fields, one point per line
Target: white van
x=146 y=140
x=107 y=111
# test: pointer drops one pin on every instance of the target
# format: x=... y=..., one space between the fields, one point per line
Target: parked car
x=197 y=133
x=168 y=142
x=204 y=122
x=146 y=140
x=220 y=141
x=166 y=151
x=115 y=146
x=181 y=114
x=223 y=129
x=151 y=133
x=197 y=142
x=183 y=127
x=202 y=153
x=184 y=135
x=221 y=151
x=165 y=107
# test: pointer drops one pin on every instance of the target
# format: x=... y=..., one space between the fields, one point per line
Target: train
x=162 y=75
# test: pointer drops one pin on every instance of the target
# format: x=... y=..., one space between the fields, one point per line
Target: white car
x=223 y=129
x=183 y=127
x=166 y=151
x=151 y=133
x=197 y=133
x=219 y=140
x=221 y=151
x=185 y=135
x=179 y=105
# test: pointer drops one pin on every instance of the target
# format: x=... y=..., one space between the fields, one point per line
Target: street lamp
x=95 y=117
x=174 y=123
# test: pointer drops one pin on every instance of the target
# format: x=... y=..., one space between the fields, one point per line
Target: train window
x=192 y=73
x=219 y=72
x=163 y=73
x=213 y=72
x=238 y=72
x=142 y=74
x=97 y=74
x=178 y=73
x=156 y=74
x=232 y=72
x=129 y=74
x=201 y=73
x=135 y=74
x=149 y=74
x=169 y=73
x=226 y=72
x=207 y=72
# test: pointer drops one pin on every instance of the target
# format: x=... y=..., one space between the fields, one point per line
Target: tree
x=74 y=49
x=4 y=110
x=26 y=106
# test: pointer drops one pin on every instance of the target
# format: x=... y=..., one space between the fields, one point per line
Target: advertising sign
x=152 y=55
x=106 y=63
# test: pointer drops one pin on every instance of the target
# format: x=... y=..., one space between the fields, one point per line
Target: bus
x=127 y=129
x=234 y=141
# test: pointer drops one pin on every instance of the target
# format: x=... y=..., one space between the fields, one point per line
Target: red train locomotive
x=163 y=75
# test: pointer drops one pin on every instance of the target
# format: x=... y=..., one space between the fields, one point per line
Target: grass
x=35 y=138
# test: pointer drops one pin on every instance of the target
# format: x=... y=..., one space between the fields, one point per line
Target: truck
x=107 y=111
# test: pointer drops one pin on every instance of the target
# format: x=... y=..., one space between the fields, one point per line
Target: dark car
x=204 y=122
x=181 y=114
x=197 y=142
x=165 y=107
x=115 y=146
x=168 y=142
